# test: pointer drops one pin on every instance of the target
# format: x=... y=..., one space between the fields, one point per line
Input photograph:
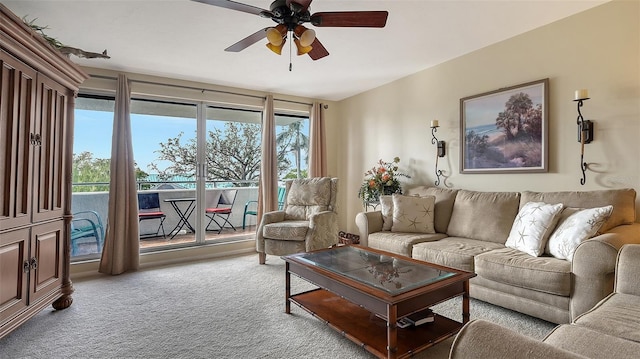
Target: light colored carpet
x=223 y=308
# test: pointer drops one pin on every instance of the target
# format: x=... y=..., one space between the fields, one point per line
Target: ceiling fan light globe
x=276 y=49
x=274 y=37
x=302 y=49
x=306 y=36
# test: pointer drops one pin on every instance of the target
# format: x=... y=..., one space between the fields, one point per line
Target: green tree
x=520 y=118
x=293 y=174
x=95 y=172
x=295 y=141
x=232 y=153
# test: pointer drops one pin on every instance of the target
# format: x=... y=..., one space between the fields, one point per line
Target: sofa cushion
x=386 y=208
x=413 y=214
x=591 y=343
x=532 y=227
x=622 y=200
x=286 y=231
x=617 y=315
x=308 y=196
x=445 y=197
x=453 y=251
x=400 y=243
x=486 y=216
x=575 y=226
x=513 y=267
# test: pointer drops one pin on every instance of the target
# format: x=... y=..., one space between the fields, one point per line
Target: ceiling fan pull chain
x=290 y=50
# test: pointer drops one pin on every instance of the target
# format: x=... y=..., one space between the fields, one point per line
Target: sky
x=93 y=133
x=94 y=129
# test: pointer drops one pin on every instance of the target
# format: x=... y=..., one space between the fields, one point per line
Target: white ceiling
x=183 y=39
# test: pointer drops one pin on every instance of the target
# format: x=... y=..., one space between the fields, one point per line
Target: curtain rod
x=198 y=89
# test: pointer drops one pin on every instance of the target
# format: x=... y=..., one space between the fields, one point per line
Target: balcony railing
x=99 y=202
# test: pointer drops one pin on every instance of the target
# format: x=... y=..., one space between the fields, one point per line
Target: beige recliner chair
x=308 y=220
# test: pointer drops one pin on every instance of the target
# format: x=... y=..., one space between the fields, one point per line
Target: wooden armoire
x=37 y=98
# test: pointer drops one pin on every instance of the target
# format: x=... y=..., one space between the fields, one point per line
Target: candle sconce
x=585 y=131
x=440 y=145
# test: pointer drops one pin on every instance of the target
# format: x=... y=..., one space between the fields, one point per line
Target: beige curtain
x=121 y=245
x=267 y=191
x=317 y=143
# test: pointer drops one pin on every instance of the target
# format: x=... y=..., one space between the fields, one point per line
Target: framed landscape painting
x=505 y=131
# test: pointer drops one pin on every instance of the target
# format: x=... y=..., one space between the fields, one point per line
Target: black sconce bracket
x=585 y=127
x=441 y=152
x=585 y=135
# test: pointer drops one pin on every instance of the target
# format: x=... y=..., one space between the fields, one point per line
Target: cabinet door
x=17 y=139
x=49 y=154
x=46 y=259
x=14 y=277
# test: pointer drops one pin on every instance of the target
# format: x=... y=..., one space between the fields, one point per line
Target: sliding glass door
x=197 y=168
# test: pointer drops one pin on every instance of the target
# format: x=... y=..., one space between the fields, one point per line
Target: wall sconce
x=440 y=146
x=585 y=131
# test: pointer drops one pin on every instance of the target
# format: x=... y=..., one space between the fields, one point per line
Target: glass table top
x=390 y=274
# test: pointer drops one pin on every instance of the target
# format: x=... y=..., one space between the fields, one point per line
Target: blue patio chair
x=253 y=211
x=86 y=224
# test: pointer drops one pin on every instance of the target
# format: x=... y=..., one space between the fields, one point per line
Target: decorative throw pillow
x=386 y=207
x=577 y=227
x=413 y=214
x=532 y=227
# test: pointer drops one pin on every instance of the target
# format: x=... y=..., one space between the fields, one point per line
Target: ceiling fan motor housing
x=291 y=16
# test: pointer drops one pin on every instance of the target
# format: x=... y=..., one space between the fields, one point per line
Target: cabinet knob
x=25 y=266
x=34 y=263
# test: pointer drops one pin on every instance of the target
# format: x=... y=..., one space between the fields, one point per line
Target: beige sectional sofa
x=609 y=330
x=472 y=227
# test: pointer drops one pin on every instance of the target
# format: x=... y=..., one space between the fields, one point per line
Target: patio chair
x=251 y=207
x=222 y=210
x=308 y=220
x=149 y=208
x=86 y=224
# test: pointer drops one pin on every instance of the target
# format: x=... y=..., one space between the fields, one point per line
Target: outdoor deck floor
x=88 y=247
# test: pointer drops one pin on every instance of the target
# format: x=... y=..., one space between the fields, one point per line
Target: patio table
x=182 y=214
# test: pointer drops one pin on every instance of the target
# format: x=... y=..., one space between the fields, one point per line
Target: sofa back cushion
x=622 y=200
x=486 y=216
x=445 y=197
x=413 y=214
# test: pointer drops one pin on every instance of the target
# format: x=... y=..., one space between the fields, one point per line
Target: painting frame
x=497 y=137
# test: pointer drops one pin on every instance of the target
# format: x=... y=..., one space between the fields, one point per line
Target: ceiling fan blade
x=350 y=19
x=304 y=3
x=227 y=4
x=248 y=41
x=317 y=50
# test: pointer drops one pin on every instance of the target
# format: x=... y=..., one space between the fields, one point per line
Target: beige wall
x=597 y=50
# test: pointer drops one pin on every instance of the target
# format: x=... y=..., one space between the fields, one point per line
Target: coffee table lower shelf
x=370 y=331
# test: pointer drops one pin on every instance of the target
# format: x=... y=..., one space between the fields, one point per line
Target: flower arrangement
x=381 y=180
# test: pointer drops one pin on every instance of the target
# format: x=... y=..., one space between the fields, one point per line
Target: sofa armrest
x=480 y=339
x=628 y=270
x=323 y=231
x=593 y=266
x=368 y=222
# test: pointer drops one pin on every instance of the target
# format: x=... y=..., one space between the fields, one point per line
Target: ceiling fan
x=290 y=15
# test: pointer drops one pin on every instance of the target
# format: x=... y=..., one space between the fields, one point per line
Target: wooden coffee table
x=363 y=292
